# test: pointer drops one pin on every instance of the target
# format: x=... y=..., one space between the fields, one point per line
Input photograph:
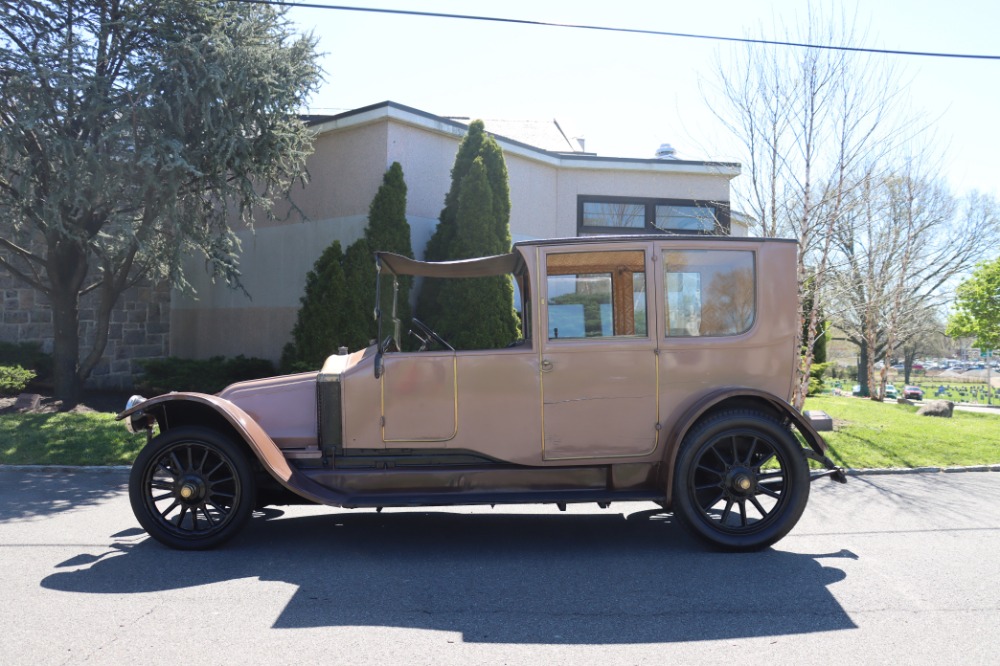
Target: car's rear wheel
x=741 y=480
x=192 y=488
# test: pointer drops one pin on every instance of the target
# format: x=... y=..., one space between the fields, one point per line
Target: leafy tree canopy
x=132 y=134
x=977 y=307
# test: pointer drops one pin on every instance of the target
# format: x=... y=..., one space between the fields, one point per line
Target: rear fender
x=741 y=398
x=174 y=409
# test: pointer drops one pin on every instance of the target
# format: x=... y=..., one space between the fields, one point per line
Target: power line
x=634 y=31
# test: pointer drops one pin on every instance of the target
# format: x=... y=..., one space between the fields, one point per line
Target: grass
x=868 y=434
x=67 y=438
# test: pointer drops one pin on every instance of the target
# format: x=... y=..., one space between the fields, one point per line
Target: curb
x=66 y=468
x=922 y=470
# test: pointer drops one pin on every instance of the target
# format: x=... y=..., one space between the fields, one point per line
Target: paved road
x=885 y=569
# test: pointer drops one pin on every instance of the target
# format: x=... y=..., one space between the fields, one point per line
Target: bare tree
x=895 y=253
x=808 y=120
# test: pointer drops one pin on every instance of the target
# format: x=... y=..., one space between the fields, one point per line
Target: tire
x=722 y=494
x=192 y=488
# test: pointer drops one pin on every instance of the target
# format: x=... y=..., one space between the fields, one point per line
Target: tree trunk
x=66 y=348
x=863 y=369
x=67 y=268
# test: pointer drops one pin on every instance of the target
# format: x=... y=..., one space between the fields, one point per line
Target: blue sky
x=627 y=93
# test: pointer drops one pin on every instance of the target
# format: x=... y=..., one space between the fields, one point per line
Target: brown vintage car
x=650 y=368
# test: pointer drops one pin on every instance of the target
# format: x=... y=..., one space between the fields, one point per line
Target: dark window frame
x=720 y=209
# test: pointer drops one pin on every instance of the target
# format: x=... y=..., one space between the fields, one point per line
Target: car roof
x=632 y=238
x=513 y=262
x=501 y=264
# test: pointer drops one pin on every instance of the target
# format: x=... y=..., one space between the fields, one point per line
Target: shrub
x=202 y=376
x=13 y=379
x=27 y=355
x=816 y=378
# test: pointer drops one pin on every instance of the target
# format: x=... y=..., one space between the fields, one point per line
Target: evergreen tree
x=135 y=136
x=338 y=305
x=476 y=313
x=320 y=318
x=388 y=231
x=443 y=306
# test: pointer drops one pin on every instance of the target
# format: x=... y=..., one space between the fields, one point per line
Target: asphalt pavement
x=885 y=569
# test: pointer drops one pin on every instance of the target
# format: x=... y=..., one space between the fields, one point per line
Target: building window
x=708 y=292
x=625 y=215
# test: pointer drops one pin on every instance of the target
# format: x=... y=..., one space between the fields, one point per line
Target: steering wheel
x=429 y=332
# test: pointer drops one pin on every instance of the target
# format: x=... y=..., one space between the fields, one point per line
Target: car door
x=419 y=399
x=599 y=371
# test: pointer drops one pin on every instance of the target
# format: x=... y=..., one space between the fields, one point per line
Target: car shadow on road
x=40 y=494
x=601 y=578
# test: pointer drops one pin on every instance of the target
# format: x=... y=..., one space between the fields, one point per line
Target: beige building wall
x=352 y=152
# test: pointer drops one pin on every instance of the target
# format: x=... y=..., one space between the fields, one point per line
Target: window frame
x=721 y=213
x=648 y=336
x=663 y=249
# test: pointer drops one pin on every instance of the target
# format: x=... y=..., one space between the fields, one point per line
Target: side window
x=708 y=292
x=596 y=294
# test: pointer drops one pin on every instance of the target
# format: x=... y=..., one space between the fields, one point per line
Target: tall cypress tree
x=388 y=231
x=320 y=320
x=340 y=290
x=438 y=305
x=477 y=313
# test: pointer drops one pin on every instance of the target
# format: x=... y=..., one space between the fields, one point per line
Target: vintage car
x=649 y=369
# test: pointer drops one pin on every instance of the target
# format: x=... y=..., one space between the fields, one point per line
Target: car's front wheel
x=192 y=488
x=741 y=480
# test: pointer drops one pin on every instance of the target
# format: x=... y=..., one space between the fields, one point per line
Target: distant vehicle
x=917 y=366
x=913 y=393
x=890 y=392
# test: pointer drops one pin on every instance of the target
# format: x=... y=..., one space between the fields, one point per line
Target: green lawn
x=868 y=434
x=87 y=438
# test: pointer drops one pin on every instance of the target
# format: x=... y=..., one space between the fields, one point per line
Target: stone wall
x=140 y=328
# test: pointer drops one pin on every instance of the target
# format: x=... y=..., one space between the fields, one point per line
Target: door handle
x=546 y=365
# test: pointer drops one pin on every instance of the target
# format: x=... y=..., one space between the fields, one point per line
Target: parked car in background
x=890 y=392
x=648 y=369
x=913 y=393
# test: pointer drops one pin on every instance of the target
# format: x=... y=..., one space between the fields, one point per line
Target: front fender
x=267 y=452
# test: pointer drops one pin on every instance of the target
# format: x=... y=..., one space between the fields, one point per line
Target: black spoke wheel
x=741 y=480
x=192 y=488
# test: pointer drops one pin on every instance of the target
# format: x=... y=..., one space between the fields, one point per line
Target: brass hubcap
x=191 y=489
x=740 y=481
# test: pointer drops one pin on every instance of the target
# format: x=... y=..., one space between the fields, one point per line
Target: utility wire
x=634 y=31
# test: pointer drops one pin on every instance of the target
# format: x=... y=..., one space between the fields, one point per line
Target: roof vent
x=666 y=152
